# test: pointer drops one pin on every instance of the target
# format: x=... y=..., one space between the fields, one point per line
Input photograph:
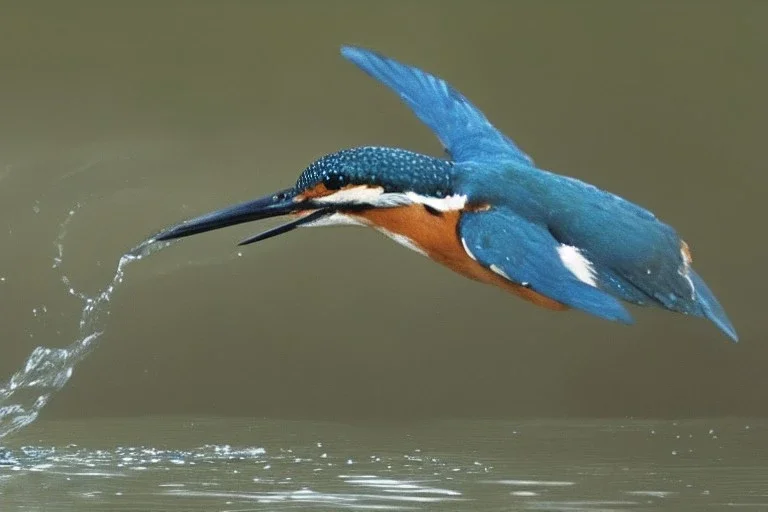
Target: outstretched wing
x=527 y=254
x=462 y=129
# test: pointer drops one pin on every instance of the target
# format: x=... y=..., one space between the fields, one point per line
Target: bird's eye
x=333 y=181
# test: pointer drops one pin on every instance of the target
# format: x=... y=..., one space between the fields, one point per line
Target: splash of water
x=47 y=369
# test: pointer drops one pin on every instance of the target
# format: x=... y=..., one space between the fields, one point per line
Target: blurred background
x=148 y=113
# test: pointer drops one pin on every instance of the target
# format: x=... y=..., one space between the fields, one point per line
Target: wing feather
x=527 y=254
x=462 y=128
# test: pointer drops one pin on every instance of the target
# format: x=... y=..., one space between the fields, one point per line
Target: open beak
x=274 y=205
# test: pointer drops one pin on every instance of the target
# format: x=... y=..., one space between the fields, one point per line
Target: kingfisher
x=486 y=211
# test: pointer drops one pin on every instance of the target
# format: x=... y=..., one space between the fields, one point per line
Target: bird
x=487 y=212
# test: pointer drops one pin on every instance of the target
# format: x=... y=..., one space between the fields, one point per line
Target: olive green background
x=146 y=113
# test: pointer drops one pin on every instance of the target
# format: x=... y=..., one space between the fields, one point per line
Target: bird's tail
x=710 y=308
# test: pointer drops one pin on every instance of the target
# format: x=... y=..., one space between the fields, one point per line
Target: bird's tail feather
x=710 y=308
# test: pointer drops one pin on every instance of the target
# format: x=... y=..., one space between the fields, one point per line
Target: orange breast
x=437 y=235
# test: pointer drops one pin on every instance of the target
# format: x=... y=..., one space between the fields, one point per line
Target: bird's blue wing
x=639 y=259
x=463 y=130
x=527 y=254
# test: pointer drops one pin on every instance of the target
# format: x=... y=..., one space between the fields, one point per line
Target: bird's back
x=606 y=242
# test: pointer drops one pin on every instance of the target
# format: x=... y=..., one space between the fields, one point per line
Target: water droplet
x=47 y=370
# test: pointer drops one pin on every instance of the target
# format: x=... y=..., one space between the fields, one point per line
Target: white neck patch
x=375 y=196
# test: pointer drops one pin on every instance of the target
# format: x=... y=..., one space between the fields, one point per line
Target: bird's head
x=341 y=183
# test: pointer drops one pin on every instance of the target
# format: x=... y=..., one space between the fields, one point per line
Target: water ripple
x=322 y=467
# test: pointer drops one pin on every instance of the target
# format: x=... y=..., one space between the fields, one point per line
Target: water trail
x=47 y=369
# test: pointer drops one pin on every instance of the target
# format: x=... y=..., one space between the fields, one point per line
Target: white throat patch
x=375 y=196
x=354 y=195
x=339 y=219
x=335 y=219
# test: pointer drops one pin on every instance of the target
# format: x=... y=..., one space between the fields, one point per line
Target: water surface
x=175 y=463
x=138 y=116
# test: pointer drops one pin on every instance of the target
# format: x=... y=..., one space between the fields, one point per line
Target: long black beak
x=280 y=203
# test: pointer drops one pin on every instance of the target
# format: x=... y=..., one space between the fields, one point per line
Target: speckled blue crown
x=395 y=170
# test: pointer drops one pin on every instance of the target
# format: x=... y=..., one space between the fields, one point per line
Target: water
x=177 y=463
x=47 y=370
x=237 y=465
x=146 y=116
x=342 y=322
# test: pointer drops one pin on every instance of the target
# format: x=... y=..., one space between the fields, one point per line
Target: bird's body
x=488 y=213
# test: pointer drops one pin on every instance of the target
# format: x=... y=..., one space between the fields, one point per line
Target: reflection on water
x=457 y=465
